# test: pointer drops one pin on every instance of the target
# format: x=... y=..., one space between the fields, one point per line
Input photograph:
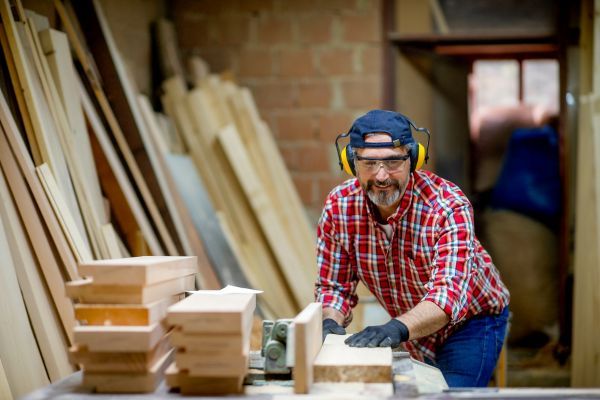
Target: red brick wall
x=313 y=67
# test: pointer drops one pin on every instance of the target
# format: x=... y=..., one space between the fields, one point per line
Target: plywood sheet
x=119 y=338
x=338 y=362
x=88 y=292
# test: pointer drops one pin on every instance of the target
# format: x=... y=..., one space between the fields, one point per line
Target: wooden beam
x=307 y=343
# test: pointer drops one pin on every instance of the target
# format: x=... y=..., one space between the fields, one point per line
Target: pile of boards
x=123 y=343
x=212 y=341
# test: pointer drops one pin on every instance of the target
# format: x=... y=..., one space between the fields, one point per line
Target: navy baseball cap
x=383 y=121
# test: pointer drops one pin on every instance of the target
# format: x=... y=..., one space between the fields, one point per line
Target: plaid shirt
x=433 y=255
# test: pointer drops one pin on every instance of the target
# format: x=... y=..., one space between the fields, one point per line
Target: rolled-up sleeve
x=448 y=286
x=336 y=284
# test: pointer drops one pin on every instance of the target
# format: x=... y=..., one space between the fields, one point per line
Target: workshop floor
x=532 y=367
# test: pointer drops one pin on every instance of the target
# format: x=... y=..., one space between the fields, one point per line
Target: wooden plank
x=124 y=115
x=209 y=312
x=22 y=48
x=65 y=218
x=338 y=362
x=129 y=382
x=290 y=261
x=20 y=182
x=27 y=169
x=18 y=349
x=46 y=325
x=119 y=361
x=247 y=239
x=189 y=236
x=116 y=183
x=119 y=338
x=307 y=343
x=196 y=365
x=146 y=270
x=193 y=385
x=123 y=314
x=210 y=344
x=5 y=392
x=87 y=292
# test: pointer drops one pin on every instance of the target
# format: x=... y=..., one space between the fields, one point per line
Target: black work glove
x=390 y=334
x=330 y=326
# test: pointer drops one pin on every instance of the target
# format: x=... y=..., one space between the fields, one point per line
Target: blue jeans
x=468 y=357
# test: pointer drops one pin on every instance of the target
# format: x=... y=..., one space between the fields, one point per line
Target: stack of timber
x=212 y=340
x=122 y=343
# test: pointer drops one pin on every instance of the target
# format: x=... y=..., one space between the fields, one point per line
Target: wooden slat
x=114 y=362
x=208 y=312
x=87 y=292
x=301 y=274
x=117 y=186
x=131 y=382
x=123 y=118
x=20 y=175
x=63 y=213
x=209 y=343
x=18 y=349
x=190 y=385
x=197 y=366
x=119 y=338
x=338 y=362
x=47 y=327
x=189 y=236
x=123 y=314
x=307 y=343
x=26 y=166
x=141 y=271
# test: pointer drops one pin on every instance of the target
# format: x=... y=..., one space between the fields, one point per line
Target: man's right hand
x=330 y=326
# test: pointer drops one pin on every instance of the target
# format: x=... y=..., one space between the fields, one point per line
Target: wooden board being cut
x=119 y=338
x=138 y=270
x=88 y=292
x=307 y=343
x=209 y=312
x=338 y=362
x=94 y=361
x=145 y=382
x=123 y=314
x=190 y=385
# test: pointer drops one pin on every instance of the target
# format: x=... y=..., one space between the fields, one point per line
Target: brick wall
x=313 y=67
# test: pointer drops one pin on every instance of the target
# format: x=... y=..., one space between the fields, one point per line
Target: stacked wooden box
x=122 y=343
x=212 y=341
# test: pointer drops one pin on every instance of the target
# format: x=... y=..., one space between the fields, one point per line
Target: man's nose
x=382 y=173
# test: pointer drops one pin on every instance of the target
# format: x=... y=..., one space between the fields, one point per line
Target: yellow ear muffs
x=347 y=160
x=421 y=153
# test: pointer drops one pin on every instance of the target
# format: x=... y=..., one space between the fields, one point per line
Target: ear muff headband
x=419 y=154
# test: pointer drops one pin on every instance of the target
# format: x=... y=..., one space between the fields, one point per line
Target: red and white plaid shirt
x=433 y=255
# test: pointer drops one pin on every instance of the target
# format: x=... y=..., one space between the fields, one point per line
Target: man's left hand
x=387 y=335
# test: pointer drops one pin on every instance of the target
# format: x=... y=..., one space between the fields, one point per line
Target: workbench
x=70 y=389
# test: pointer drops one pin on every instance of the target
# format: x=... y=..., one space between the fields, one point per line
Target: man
x=408 y=236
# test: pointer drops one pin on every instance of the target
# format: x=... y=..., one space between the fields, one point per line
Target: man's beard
x=384 y=198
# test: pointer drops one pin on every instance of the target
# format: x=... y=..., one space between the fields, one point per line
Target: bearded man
x=408 y=235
